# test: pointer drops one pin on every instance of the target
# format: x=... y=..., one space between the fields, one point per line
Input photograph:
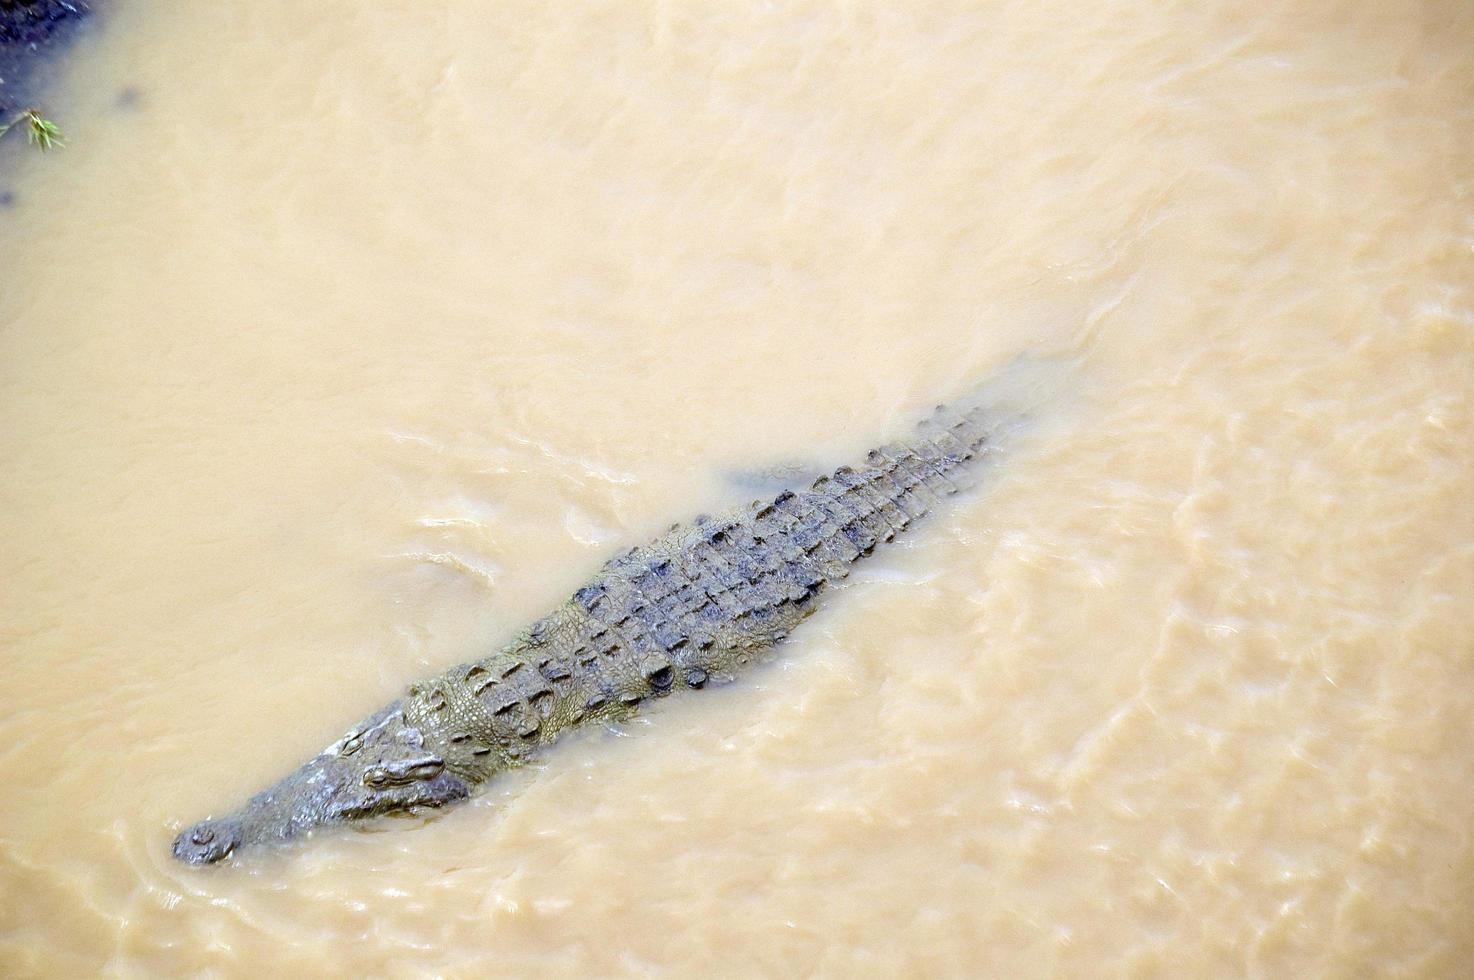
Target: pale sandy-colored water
x=363 y=333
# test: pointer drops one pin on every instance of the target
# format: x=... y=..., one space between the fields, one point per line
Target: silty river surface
x=343 y=340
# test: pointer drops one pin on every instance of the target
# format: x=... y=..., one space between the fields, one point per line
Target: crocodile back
x=708 y=595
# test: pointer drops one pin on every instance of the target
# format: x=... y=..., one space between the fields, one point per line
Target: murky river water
x=345 y=339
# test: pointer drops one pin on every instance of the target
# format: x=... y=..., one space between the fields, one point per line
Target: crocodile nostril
x=206 y=843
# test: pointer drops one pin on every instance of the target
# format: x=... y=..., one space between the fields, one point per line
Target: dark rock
x=33 y=22
x=30 y=30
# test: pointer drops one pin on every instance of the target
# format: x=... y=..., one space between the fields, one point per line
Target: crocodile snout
x=207 y=841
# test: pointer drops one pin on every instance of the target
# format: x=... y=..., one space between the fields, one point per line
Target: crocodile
x=687 y=611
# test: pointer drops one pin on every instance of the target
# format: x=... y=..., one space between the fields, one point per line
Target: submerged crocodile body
x=687 y=610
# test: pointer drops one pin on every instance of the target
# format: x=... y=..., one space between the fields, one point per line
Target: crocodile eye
x=351 y=745
x=425 y=769
x=399 y=773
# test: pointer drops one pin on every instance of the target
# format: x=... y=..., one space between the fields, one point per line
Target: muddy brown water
x=356 y=336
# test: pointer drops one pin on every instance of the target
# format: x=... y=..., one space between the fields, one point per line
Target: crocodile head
x=381 y=767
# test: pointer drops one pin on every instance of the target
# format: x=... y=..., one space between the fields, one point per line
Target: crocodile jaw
x=381 y=767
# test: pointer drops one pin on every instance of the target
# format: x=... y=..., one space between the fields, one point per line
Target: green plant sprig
x=41 y=132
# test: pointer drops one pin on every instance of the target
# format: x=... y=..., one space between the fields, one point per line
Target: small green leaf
x=40 y=131
x=44 y=133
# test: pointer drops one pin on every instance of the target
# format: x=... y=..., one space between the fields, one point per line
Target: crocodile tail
x=852 y=509
x=900 y=482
